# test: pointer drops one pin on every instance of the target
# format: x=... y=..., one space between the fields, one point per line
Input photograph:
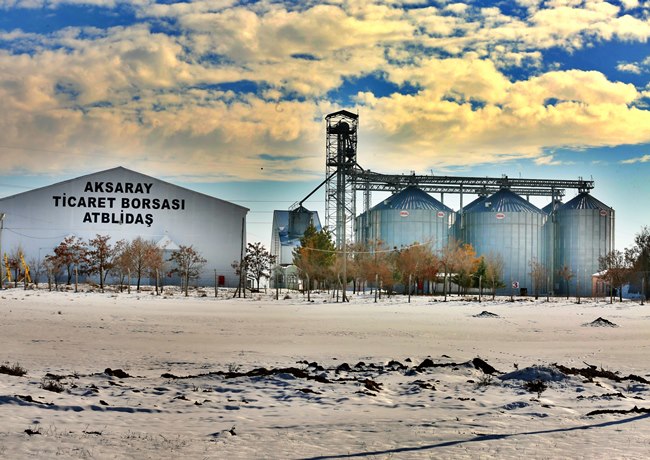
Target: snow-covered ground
x=260 y=378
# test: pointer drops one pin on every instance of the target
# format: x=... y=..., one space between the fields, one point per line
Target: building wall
x=402 y=228
x=125 y=204
x=583 y=236
x=515 y=236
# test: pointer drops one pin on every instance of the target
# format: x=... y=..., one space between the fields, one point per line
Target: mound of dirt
x=536 y=373
x=601 y=322
x=486 y=314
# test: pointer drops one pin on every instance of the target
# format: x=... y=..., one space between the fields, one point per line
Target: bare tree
x=615 y=270
x=494 y=272
x=538 y=274
x=413 y=263
x=155 y=264
x=142 y=254
x=71 y=254
x=639 y=256
x=466 y=263
x=377 y=265
x=566 y=274
x=448 y=261
x=35 y=269
x=13 y=264
x=100 y=254
x=121 y=262
x=54 y=268
x=188 y=264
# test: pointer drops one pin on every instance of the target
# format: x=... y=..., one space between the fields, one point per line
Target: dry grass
x=12 y=369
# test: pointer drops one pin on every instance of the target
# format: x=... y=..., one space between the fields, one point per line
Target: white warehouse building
x=125 y=204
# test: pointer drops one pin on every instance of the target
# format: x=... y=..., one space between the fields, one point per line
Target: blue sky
x=229 y=97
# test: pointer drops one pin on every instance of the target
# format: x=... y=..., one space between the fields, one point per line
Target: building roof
x=505 y=201
x=411 y=198
x=476 y=202
x=549 y=207
x=584 y=200
x=166 y=243
x=343 y=112
x=127 y=172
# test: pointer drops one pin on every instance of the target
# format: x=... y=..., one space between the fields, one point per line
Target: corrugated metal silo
x=585 y=232
x=505 y=224
x=549 y=232
x=459 y=227
x=407 y=217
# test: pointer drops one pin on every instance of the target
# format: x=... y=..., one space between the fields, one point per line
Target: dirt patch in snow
x=600 y=322
x=486 y=314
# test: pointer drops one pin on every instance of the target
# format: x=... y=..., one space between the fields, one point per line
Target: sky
x=229 y=98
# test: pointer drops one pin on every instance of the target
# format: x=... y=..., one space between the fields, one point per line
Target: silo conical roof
x=585 y=200
x=411 y=198
x=505 y=201
x=549 y=207
x=476 y=202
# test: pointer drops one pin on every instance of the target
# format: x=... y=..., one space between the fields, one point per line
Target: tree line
x=122 y=261
x=419 y=268
x=631 y=265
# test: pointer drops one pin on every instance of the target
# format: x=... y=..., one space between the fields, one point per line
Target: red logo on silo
x=501 y=215
x=404 y=213
x=603 y=213
x=441 y=214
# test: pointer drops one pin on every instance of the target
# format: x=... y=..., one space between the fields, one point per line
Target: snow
x=259 y=378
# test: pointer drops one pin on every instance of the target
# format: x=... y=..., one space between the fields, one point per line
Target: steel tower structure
x=341 y=166
x=344 y=178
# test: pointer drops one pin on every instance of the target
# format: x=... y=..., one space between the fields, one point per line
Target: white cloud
x=547 y=160
x=127 y=92
x=629 y=67
x=641 y=159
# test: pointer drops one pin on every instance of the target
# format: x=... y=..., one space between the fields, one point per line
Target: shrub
x=15 y=369
x=484 y=381
x=52 y=385
x=536 y=386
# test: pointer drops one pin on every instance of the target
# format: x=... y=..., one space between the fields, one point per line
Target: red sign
x=441 y=214
x=404 y=213
x=501 y=215
x=603 y=213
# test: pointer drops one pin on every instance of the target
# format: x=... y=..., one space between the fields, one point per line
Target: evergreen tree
x=639 y=257
x=258 y=261
x=316 y=255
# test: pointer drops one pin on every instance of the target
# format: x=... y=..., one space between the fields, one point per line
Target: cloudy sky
x=229 y=97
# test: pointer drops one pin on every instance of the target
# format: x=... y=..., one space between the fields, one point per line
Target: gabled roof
x=411 y=198
x=505 y=201
x=166 y=243
x=121 y=169
x=343 y=112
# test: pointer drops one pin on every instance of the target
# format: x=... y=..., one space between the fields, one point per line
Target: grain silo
x=407 y=217
x=459 y=225
x=507 y=225
x=585 y=232
x=549 y=232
